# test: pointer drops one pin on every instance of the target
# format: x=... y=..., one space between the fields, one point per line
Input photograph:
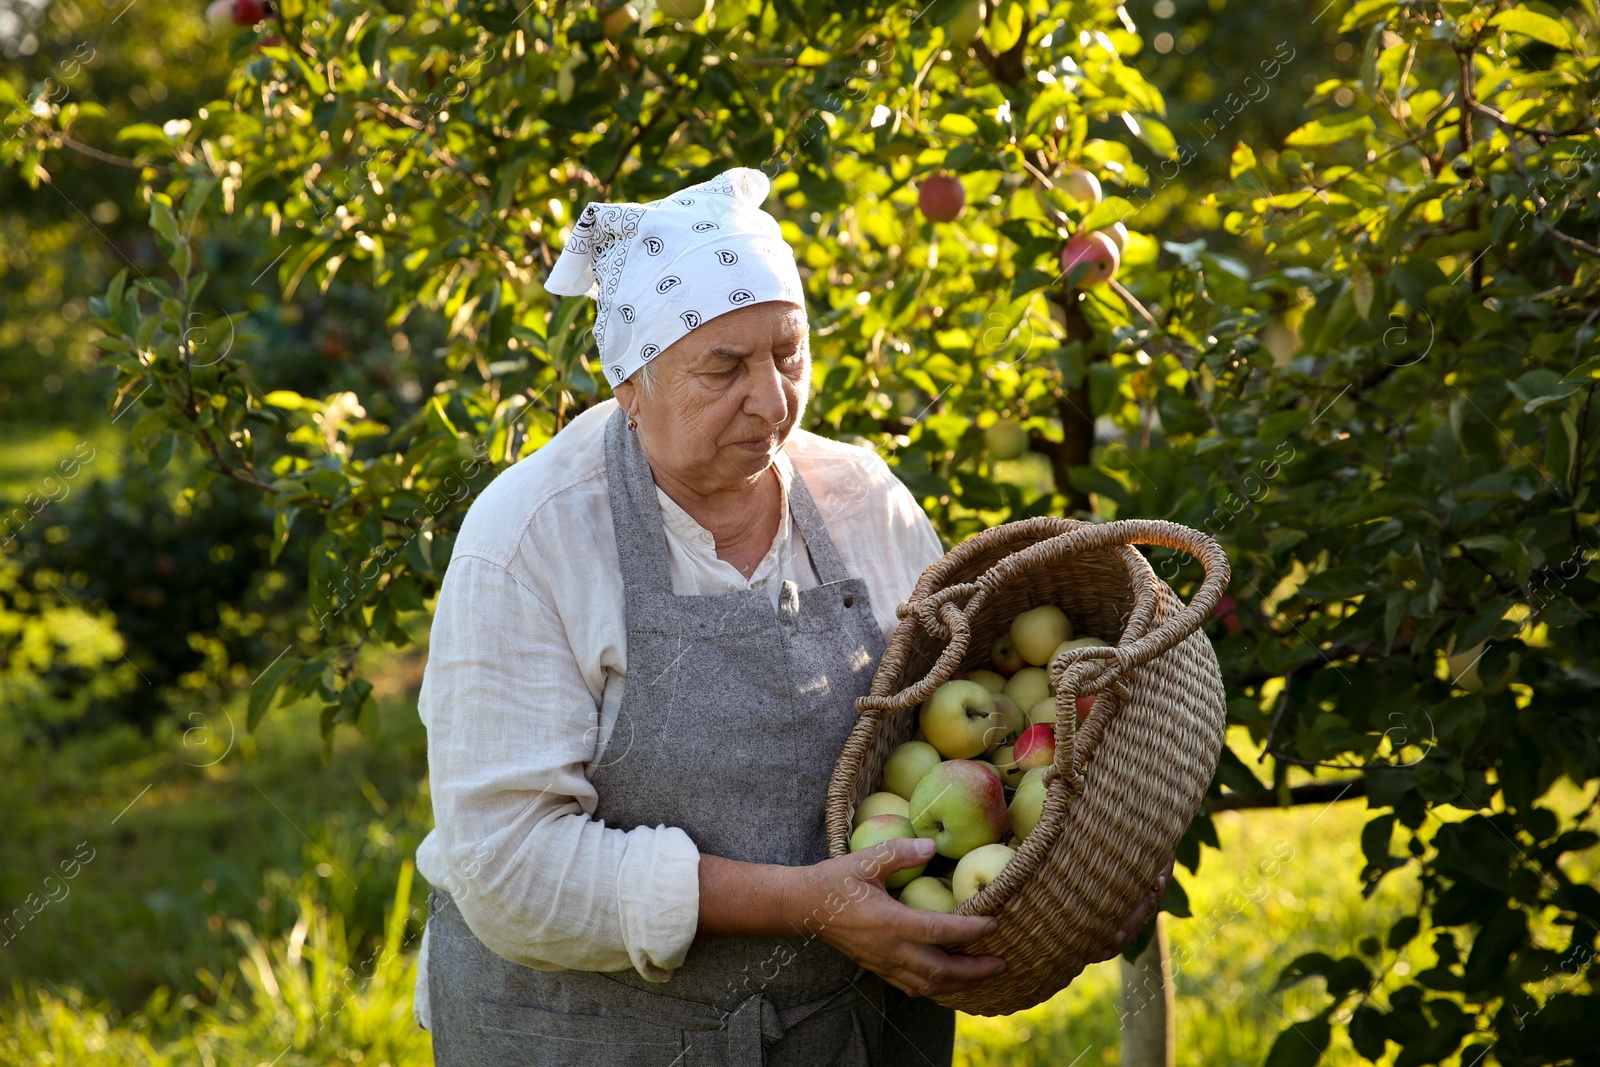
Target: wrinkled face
x=724 y=397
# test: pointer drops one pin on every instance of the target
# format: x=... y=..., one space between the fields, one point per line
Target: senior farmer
x=644 y=663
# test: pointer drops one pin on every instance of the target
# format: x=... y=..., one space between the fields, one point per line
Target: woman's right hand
x=842 y=901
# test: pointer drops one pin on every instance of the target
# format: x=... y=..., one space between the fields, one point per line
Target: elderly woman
x=644 y=663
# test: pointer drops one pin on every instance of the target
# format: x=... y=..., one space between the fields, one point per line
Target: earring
x=633 y=423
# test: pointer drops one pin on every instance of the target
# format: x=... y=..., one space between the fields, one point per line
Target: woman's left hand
x=1141 y=915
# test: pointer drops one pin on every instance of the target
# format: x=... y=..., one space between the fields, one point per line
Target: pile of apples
x=972 y=778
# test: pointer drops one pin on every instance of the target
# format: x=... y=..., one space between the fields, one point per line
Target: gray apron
x=730 y=723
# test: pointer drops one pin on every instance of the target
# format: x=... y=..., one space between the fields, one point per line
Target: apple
x=929 y=894
x=1119 y=237
x=1082 y=186
x=958 y=719
x=964 y=27
x=1015 y=719
x=686 y=10
x=1005 y=761
x=1006 y=439
x=1003 y=656
x=961 y=805
x=219 y=15
x=1027 y=804
x=1043 y=712
x=1464 y=667
x=618 y=20
x=881 y=828
x=941 y=198
x=978 y=868
x=991 y=768
x=1036 y=747
x=1028 y=686
x=991 y=681
x=1085 y=704
x=1036 y=633
x=1227 y=613
x=906 y=765
x=1078 y=642
x=880 y=804
x=1096 y=255
x=248 y=12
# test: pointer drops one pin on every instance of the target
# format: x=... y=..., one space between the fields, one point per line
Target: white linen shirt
x=528 y=657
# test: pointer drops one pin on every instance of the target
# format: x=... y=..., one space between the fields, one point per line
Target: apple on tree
x=881 y=828
x=906 y=765
x=1119 y=237
x=880 y=804
x=1004 y=658
x=978 y=868
x=1090 y=259
x=961 y=718
x=941 y=198
x=929 y=894
x=1082 y=186
x=961 y=805
x=1038 y=632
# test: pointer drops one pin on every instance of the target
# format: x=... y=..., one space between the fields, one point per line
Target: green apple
x=906 y=765
x=1028 y=686
x=1036 y=747
x=880 y=804
x=991 y=681
x=1464 y=667
x=1082 y=187
x=1078 y=642
x=958 y=719
x=1027 y=804
x=881 y=828
x=1016 y=720
x=1003 y=656
x=1005 y=761
x=961 y=805
x=929 y=894
x=686 y=10
x=978 y=868
x=1038 y=632
x=1006 y=439
x=964 y=27
x=1044 y=711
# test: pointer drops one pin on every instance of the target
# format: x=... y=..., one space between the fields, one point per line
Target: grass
x=223 y=901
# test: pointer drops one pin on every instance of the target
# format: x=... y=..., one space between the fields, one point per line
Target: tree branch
x=1311 y=793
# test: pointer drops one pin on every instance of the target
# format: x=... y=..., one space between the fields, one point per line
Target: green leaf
x=265 y=685
x=162 y=220
x=1532 y=24
x=1302 y=1044
x=1317 y=132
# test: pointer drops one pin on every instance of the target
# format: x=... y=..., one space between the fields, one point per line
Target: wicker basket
x=1125 y=783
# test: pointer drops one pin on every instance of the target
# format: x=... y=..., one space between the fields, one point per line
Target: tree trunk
x=1149 y=1035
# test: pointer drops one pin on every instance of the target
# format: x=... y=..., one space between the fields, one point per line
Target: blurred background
x=270 y=318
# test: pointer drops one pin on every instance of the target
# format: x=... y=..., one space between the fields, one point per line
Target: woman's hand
x=843 y=902
x=1141 y=915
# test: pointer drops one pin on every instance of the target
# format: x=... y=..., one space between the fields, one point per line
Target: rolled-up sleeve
x=511 y=725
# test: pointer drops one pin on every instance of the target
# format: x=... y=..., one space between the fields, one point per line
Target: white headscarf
x=658 y=270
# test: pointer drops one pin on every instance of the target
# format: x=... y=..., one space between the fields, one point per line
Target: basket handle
x=1083 y=671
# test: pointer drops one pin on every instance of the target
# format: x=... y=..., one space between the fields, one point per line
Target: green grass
x=31 y=454
x=223 y=903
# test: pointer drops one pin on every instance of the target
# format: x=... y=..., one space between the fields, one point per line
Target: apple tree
x=1379 y=398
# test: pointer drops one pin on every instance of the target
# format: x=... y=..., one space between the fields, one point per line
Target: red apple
x=1085 y=705
x=248 y=12
x=1003 y=656
x=1094 y=256
x=960 y=805
x=1227 y=613
x=219 y=14
x=1036 y=747
x=1119 y=236
x=941 y=198
x=618 y=19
